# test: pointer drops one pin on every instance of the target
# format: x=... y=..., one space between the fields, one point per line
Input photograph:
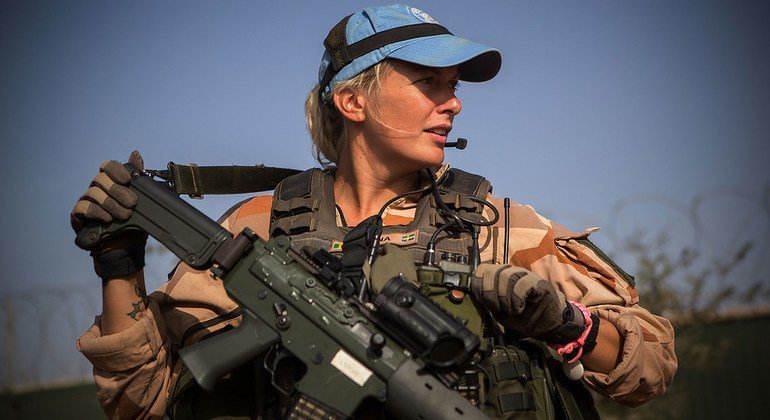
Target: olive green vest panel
x=304 y=209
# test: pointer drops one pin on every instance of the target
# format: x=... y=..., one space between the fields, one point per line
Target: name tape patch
x=400 y=239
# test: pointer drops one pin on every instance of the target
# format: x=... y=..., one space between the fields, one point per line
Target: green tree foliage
x=693 y=291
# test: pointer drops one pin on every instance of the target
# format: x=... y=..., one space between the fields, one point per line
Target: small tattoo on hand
x=138 y=311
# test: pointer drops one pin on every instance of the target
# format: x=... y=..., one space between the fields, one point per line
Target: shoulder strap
x=197 y=180
x=466 y=183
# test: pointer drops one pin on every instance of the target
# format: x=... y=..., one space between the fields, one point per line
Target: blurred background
x=649 y=119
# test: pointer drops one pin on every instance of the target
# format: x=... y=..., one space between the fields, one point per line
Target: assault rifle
x=348 y=350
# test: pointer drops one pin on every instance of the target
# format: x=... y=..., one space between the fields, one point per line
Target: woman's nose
x=451 y=105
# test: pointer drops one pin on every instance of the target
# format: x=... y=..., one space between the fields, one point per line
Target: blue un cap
x=406 y=33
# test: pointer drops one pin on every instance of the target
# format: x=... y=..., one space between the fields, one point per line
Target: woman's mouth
x=439 y=133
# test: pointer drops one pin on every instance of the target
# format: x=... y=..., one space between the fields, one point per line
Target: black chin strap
x=342 y=54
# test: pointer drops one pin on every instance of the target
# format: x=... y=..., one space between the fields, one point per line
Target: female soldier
x=379 y=117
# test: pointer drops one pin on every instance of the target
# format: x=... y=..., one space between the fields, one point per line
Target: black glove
x=527 y=304
x=108 y=198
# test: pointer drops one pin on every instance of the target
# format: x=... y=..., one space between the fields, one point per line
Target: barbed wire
x=717 y=243
x=38 y=336
x=40 y=328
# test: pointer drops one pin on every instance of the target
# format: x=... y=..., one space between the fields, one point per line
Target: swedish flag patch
x=401 y=239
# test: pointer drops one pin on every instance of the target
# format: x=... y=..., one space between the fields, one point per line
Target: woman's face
x=408 y=121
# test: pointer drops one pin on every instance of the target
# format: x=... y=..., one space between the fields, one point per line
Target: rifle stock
x=184 y=230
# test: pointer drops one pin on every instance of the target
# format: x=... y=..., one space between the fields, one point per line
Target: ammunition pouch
x=523 y=381
x=512 y=386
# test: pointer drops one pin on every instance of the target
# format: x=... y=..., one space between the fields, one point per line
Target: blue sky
x=640 y=107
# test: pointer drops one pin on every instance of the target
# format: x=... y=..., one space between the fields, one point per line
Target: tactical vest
x=518 y=379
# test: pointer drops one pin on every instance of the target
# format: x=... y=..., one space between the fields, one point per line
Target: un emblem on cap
x=419 y=14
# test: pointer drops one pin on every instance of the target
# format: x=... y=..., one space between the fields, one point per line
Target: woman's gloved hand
x=527 y=304
x=108 y=198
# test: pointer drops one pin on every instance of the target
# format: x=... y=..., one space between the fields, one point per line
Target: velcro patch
x=400 y=239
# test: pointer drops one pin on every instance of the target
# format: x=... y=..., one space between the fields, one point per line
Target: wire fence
x=40 y=329
x=37 y=336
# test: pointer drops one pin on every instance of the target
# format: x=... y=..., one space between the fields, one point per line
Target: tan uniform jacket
x=135 y=372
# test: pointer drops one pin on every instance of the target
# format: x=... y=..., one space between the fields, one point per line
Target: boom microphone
x=460 y=144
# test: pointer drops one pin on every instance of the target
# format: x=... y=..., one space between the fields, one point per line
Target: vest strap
x=515 y=369
x=293 y=225
x=518 y=401
x=355 y=250
x=294 y=206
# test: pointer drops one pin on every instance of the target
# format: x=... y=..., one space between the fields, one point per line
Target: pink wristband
x=568 y=348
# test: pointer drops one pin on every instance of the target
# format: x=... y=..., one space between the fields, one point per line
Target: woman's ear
x=350 y=104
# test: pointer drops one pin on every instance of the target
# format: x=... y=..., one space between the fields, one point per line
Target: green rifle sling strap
x=197 y=180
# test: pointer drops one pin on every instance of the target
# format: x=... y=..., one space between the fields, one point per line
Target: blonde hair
x=324 y=122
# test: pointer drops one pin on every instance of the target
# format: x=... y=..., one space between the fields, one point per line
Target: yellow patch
x=336 y=246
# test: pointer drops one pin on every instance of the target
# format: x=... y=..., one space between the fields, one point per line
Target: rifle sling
x=197 y=180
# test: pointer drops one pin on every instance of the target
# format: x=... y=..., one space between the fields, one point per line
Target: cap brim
x=477 y=62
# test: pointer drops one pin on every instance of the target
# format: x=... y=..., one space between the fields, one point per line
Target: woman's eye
x=431 y=81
